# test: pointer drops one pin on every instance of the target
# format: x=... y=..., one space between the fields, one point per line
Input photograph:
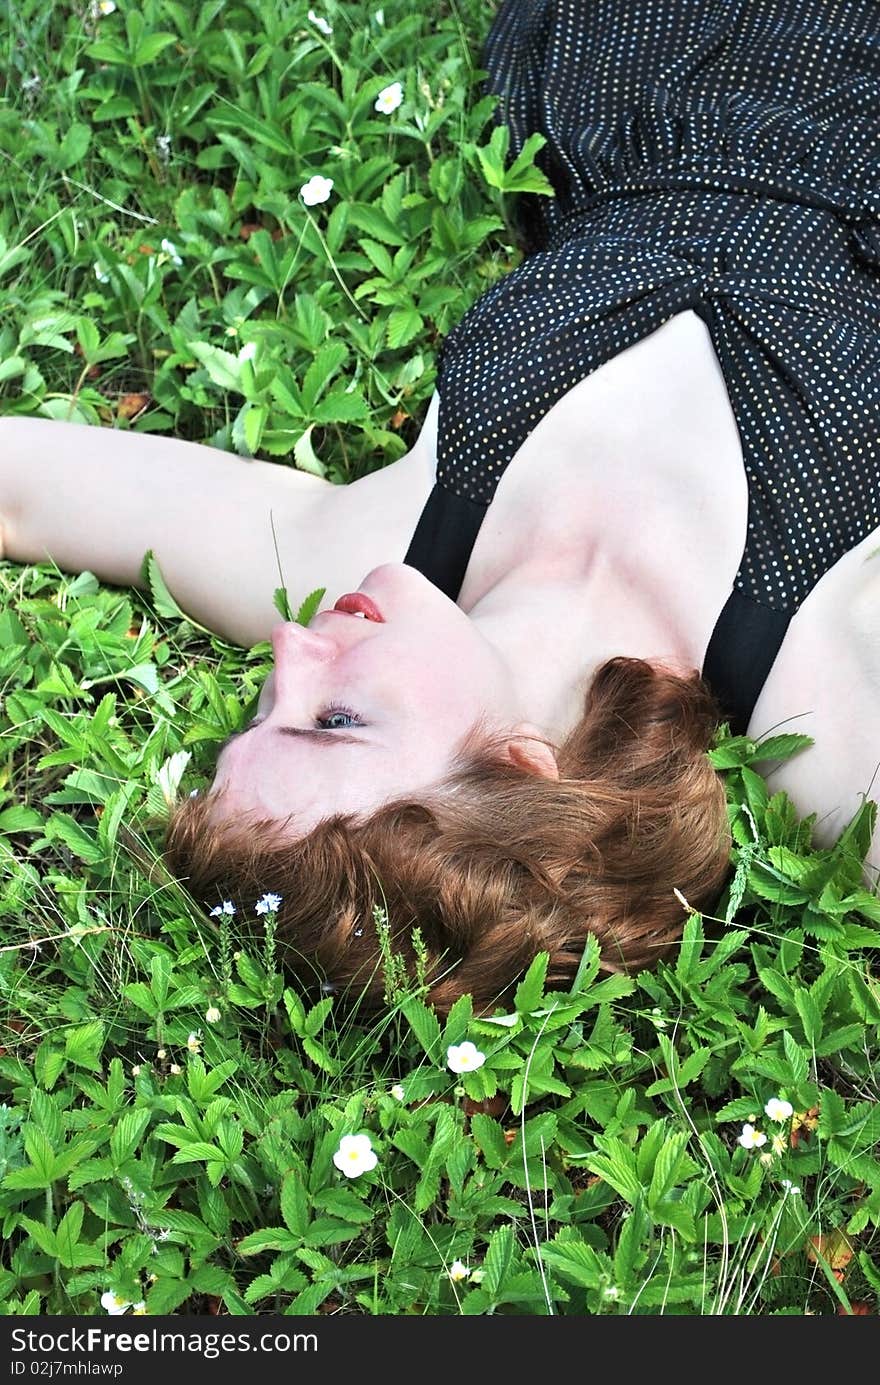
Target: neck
x=554 y=630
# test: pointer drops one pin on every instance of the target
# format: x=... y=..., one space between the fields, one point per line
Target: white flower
x=464 y=1057
x=163 y=148
x=170 y=249
x=790 y=1187
x=227 y=907
x=389 y=99
x=101 y=8
x=778 y=1110
x=458 y=1271
x=355 y=1155
x=320 y=24
x=316 y=190
x=611 y=1293
x=193 y=1043
x=751 y=1138
x=113 y=1304
x=101 y=277
x=212 y=1014
x=397 y=1092
x=136 y=1070
x=777 y=1143
x=766 y=1159
x=268 y=904
x=175 y=1069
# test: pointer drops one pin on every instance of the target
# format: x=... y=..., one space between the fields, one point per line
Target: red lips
x=356 y=603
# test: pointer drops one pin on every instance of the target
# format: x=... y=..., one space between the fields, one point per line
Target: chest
x=644 y=457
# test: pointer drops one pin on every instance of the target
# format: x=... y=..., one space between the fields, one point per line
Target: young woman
x=654 y=452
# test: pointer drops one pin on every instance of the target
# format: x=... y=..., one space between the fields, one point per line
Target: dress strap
x=744 y=644
x=444 y=537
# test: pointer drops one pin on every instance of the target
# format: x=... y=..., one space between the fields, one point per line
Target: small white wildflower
x=316 y=190
x=458 y=1271
x=101 y=277
x=161 y=1053
x=389 y=99
x=778 y=1110
x=193 y=1043
x=790 y=1187
x=611 y=1293
x=212 y=1014
x=751 y=1138
x=766 y=1159
x=170 y=249
x=101 y=8
x=113 y=1304
x=227 y=907
x=268 y=904
x=320 y=23
x=397 y=1092
x=136 y=1070
x=355 y=1155
x=464 y=1057
x=777 y=1143
x=175 y=1069
x=163 y=147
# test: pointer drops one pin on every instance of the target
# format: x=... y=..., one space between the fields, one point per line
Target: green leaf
x=425 y=1025
x=810 y=1016
x=83 y=1045
x=127 y=1134
x=304 y=454
x=163 y=602
x=309 y=606
x=497 y=1261
x=530 y=991
x=295 y=1204
x=68 y=1233
x=780 y=747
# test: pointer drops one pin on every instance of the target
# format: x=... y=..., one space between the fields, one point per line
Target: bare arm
x=97 y=499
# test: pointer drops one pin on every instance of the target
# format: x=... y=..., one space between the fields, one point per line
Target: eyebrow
x=303 y=733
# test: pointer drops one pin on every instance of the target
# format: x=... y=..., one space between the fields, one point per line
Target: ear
x=526 y=747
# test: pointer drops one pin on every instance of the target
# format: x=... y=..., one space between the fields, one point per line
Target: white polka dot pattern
x=720 y=156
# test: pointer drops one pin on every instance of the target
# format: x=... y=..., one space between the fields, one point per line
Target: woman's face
x=358 y=710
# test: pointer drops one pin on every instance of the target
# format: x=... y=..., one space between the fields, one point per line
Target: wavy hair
x=497 y=863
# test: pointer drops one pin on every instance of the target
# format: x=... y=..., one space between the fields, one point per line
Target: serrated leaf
x=304 y=454
x=309 y=606
x=127 y=1134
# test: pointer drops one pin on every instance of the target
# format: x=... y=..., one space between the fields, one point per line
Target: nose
x=293 y=641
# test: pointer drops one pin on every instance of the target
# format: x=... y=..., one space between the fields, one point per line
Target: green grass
x=592 y=1163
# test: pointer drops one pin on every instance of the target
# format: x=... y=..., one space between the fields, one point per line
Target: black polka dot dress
x=715 y=155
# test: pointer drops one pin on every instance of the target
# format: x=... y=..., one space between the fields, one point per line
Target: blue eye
x=338 y=719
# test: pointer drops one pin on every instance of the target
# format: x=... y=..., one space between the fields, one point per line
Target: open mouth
x=358 y=604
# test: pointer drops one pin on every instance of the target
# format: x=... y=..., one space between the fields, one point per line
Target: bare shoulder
x=825 y=683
